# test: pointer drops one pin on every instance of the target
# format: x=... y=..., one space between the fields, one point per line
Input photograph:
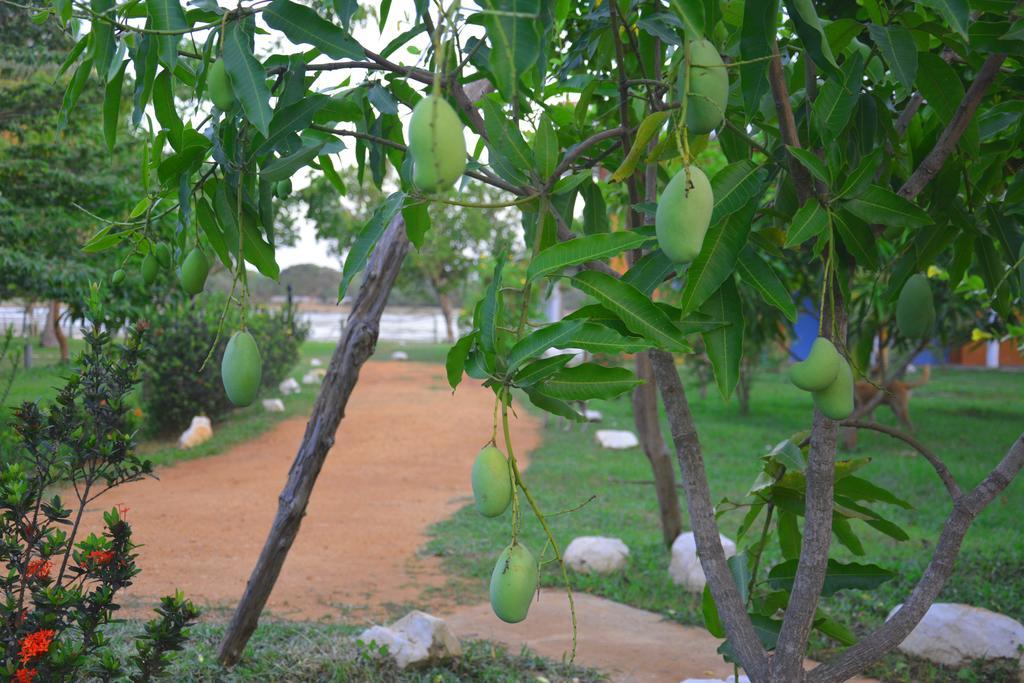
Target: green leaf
x=545 y=147
x=740 y=570
x=839 y=576
x=757 y=33
x=712 y=622
x=163 y=107
x=455 y=361
x=790 y=538
x=810 y=221
x=553 y=405
x=647 y=129
x=808 y=28
x=490 y=309
x=514 y=32
x=286 y=166
x=716 y=261
x=640 y=315
x=724 y=345
x=650 y=271
x=898 y=49
x=292 y=118
x=598 y=338
x=258 y=251
x=812 y=163
x=417 y=222
x=166 y=15
x=248 y=79
x=943 y=91
x=862 y=489
x=838 y=98
x=955 y=12
x=541 y=369
x=103 y=44
x=357 y=256
x=504 y=137
x=835 y=630
x=844 y=533
x=734 y=186
x=73 y=92
x=112 y=106
x=555 y=335
x=589 y=381
x=595 y=211
x=303 y=25
x=861 y=176
x=691 y=12
x=881 y=205
x=857 y=238
x=584 y=249
x=758 y=273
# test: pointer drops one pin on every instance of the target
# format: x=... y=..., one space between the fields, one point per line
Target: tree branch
x=577 y=151
x=947 y=142
x=940 y=467
x=702 y=518
x=890 y=634
x=787 y=125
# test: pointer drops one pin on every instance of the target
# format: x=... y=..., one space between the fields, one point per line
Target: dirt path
x=401 y=462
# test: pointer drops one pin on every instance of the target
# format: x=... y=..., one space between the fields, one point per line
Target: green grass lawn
x=969 y=417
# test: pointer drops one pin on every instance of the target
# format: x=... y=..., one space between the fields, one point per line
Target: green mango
x=684 y=214
x=915 y=308
x=819 y=369
x=118 y=277
x=492 y=487
x=241 y=369
x=218 y=86
x=163 y=254
x=437 y=144
x=708 y=94
x=283 y=188
x=194 y=271
x=836 y=400
x=513 y=583
x=149 y=268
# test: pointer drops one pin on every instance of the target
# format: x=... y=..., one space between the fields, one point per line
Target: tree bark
x=48 y=339
x=648 y=428
x=445 y=302
x=356 y=345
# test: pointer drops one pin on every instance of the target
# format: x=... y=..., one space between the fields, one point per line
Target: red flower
x=24 y=676
x=122 y=509
x=36 y=644
x=101 y=556
x=38 y=568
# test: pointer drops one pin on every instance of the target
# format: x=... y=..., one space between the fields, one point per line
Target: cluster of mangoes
x=159 y=256
x=514 y=579
x=684 y=210
x=827 y=375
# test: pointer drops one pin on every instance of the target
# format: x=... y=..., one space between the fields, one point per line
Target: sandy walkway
x=401 y=462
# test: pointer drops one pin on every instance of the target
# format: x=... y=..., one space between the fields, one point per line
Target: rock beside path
x=685 y=566
x=273 y=405
x=417 y=639
x=289 y=386
x=952 y=634
x=200 y=431
x=596 y=554
x=616 y=439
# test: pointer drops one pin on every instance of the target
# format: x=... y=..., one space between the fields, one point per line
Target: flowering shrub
x=59 y=590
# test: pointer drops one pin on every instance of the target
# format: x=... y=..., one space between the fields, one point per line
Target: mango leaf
x=455 y=361
x=290 y=119
x=712 y=622
x=555 y=335
x=725 y=345
x=258 y=251
x=734 y=186
x=812 y=163
x=759 y=273
x=834 y=629
x=808 y=28
x=583 y=249
x=166 y=15
x=286 y=166
x=691 y=13
x=716 y=261
x=757 y=33
x=943 y=91
x=504 y=137
x=898 y=48
x=862 y=489
x=640 y=315
x=858 y=239
x=647 y=129
x=541 y=369
x=844 y=534
x=553 y=405
x=248 y=79
x=839 y=576
x=650 y=271
x=589 y=381
x=103 y=37
x=417 y=222
x=358 y=254
x=789 y=535
x=598 y=338
x=112 y=106
x=303 y=25
x=490 y=309
x=514 y=31
x=861 y=176
x=955 y=12
x=810 y=221
x=595 y=211
x=881 y=205
x=838 y=98
x=545 y=147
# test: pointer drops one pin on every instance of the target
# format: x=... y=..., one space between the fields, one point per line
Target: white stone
x=198 y=432
x=399 y=355
x=313 y=377
x=616 y=439
x=416 y=638
x=593 y=415
x=951 y=634
x=730 y=679
x=273 y=405
x=596 y=554
x=685 y=568
x=316 y=362
x=289 y=386
x=578 y=355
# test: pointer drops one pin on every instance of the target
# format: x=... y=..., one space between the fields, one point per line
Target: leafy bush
x=174 y=388
x=59 y=590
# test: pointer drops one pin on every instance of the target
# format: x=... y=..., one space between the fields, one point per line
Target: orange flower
x=38 y=568
x=101 y=556
x=122 y=510
x=36 y=644
x=24 y=676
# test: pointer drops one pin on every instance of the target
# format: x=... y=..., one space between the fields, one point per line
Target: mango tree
x=880 y=138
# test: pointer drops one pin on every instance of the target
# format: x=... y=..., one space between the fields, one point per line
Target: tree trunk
x=49 y=336
x=354 y=348
x=62 y=341
x=447 y=311
x=648 y=427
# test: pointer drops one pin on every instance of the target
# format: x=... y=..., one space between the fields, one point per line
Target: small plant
x=59 y=593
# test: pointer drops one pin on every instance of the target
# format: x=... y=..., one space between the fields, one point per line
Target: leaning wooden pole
x=356 y=345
